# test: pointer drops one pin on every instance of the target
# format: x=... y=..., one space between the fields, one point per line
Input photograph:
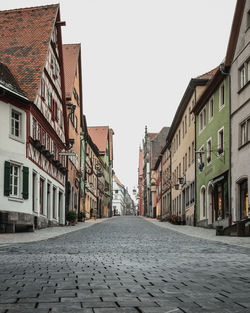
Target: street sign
x=67 y=153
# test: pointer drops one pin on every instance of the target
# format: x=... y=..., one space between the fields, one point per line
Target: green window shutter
x=7 y=178
x=25 y=182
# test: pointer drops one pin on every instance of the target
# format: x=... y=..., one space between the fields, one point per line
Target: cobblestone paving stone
x=126 y=264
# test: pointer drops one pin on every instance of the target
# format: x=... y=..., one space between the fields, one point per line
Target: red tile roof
x=25 y=35
x=118 y=182
x=152 y=136
x=70 y=59
x=208 y=75
x=99 y=135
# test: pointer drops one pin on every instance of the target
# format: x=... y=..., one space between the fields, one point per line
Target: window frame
x=20 y=113
x=218 y=140
x=222 y=88
x=210 y=117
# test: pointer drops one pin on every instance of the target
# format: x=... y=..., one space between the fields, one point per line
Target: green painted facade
x=214 y=177
x=107 y=190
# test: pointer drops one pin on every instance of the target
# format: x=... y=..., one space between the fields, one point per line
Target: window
x=193 y=152
x=49 y=99
x=242 y=77
x=179 y=136
x=202 y=119
x=34 y=126
x=185 y=124
x=245 y=132
x=44 y=139
x=179 y=169
x=244 y=74
x=38 y=135
x=220 y=141
x=41 y=204
x=189 y=116
x=48 y=143
x=209 y=148
x=211 y=109
x=183 y=165
x=185 y=162
x=201 y=158
x=14 y=180
x=189 y=156
x=43 y=88
x=183 y=129
x=222 y=96
x=15 y=124
x=76 y=122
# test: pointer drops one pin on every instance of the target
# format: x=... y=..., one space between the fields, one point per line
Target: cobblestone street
x=125 y=264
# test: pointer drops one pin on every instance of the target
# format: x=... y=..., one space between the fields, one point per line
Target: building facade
x=213 y=153
x=118 y=202
x=182 y=138
x=238 y=55
x=73 y=92
x=34 y=135
x=102 y=137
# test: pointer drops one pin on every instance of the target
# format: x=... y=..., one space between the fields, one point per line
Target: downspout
x=195 y=167
x=230 y=151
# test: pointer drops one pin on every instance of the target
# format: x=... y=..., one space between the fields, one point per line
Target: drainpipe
x=195 y=167
x=226 y=72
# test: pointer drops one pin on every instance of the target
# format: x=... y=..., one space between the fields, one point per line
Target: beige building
x=182 y=138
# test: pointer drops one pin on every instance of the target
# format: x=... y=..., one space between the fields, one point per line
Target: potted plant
x=81 y=216
x=71 y=217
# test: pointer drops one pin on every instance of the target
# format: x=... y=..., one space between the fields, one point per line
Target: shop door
x=244 y=199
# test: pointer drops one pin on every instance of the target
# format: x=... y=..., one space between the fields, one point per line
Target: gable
x=24 y=40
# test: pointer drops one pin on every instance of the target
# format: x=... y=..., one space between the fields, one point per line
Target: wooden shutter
x=25 y=182
x=7 y=178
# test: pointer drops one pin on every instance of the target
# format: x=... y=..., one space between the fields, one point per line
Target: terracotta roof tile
x=99 y=135
x=70 y=58
x=25 y=34
x=118 y=182
x=208 y=75
x=152 y=136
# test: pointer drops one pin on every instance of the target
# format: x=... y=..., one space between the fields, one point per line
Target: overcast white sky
x=137 y=59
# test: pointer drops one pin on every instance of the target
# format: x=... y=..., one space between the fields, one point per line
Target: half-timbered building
x=34 y=128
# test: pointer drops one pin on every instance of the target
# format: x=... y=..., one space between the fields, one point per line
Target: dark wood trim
x=53 y=85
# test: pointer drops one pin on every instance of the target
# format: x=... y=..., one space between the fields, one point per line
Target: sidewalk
x=204 y=233
x=46 y=233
